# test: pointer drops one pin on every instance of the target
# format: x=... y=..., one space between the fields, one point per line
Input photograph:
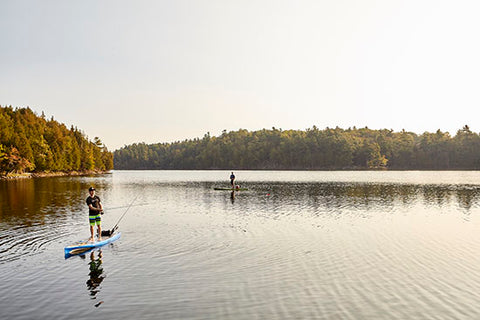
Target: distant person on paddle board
x=94 y=211
x=232 y=180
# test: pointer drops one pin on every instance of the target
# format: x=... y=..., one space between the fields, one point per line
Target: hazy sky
x=160 y=71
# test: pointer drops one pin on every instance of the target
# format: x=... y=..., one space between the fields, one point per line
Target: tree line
x=311 y=149
x=31 y=143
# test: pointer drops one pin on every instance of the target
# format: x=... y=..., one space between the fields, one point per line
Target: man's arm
x=95 y=209
x=100 y=208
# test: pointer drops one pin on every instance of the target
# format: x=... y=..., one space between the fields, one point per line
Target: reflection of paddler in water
x=232 y=196
x=96 y=274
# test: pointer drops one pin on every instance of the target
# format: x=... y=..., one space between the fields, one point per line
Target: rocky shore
x=28 y=175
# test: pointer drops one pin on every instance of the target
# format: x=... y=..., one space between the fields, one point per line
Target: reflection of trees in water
x=33 y=200
x=466 y=198
x=369 y=195
x=436 y=195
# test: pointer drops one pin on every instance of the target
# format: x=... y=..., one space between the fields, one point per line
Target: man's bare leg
x=91 y=234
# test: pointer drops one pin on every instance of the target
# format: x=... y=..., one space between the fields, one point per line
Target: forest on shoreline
x=311 y=149
x=33 y=144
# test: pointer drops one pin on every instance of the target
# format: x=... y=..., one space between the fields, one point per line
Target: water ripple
x=330 y=249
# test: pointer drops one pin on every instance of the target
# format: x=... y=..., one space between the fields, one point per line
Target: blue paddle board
x=84 y=246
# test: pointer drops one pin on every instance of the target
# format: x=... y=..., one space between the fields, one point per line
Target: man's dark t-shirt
x=95 y=201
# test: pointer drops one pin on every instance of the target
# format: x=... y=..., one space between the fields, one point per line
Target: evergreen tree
x=30 y=143
x=312 y=149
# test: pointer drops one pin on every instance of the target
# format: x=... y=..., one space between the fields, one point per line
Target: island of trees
x=311 y=149
x=31 y=143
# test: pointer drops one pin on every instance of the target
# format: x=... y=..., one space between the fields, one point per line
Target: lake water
x=296 y=245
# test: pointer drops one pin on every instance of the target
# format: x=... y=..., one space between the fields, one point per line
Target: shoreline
x=30 y=175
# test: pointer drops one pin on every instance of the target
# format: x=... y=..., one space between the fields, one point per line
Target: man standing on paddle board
x=232 y=180
x=94 y=211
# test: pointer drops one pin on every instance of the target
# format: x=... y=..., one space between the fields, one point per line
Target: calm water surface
x=297 y=245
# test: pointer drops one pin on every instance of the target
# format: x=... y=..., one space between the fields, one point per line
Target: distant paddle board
x=231 y=189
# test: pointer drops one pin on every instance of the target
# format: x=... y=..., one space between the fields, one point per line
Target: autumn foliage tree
x=31 y=143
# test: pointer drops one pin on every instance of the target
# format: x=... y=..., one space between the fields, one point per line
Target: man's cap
x=91 y=189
